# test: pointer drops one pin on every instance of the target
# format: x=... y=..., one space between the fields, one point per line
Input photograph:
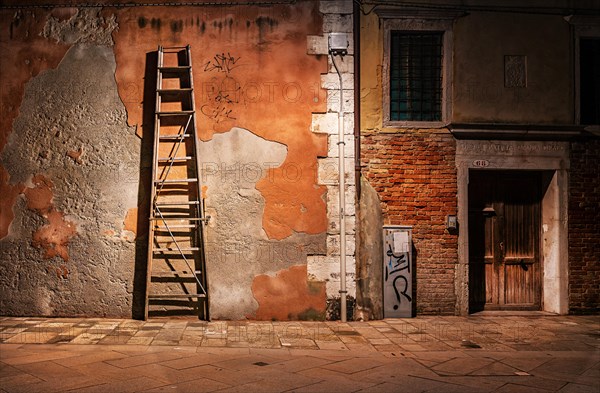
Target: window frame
x=433 y=24
x=585 y=27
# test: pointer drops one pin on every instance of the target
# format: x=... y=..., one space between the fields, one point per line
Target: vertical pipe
x=342 y=196
x=356 y=35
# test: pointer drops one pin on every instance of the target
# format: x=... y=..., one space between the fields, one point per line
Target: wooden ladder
x=176 y=282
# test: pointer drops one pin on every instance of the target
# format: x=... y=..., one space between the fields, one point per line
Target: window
x=587 y=68
x=415 y=74
x=589 y=73
x=417 y=67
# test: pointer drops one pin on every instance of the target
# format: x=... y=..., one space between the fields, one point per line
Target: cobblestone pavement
x=515 y=353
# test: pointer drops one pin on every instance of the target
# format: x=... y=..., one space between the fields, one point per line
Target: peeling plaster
x=53 y=237
x=72 y=127
x=30 y=54
x=91 y=273
x=75 y=155
x=242 y=79
x=85 y=26
x=131 y=219
x=289 y=296
x=39 y=196
x=238 y=248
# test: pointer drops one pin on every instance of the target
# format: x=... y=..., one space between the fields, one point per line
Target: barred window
x=415 y=73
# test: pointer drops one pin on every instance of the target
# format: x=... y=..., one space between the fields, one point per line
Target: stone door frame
x=553 y=159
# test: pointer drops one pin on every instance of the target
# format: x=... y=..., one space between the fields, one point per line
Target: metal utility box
x=397 y=271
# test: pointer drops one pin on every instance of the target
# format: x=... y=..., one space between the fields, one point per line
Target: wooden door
x=504 y=233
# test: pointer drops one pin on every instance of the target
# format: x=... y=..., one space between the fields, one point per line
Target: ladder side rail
x=159 y=61
x=196 y=147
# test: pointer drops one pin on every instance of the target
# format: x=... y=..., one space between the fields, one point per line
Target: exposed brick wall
x=584 y=227
x=415 y=176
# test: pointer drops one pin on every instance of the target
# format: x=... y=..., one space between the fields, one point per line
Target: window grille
x=416 y=76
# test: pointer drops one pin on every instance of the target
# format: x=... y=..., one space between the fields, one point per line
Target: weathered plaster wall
x=255 y=89
x=239 y=251
x=251 y=70
x=66 y=251
x=76 y=164
x=31 y=54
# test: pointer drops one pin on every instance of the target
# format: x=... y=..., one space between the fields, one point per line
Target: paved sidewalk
x=437 y=354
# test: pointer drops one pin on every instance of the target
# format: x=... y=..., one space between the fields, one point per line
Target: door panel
x=504 y=227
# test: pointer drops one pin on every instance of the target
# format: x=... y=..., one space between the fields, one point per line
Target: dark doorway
x=504 y=240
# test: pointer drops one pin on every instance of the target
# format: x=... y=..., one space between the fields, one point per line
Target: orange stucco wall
x=251 y=71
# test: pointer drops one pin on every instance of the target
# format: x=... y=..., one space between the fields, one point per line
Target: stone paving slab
x=424 y=354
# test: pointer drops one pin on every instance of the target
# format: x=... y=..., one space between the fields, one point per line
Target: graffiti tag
x=222 y=63
x=394 y=266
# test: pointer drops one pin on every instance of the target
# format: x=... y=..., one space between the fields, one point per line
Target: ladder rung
x=174 y=69
x=182 y=203
x=161 y=228
x=176 y=218
x=159 y=296
x=175 y=249
x=173 y=273
x=175 y=159
x=172 y=137
x=175 y=113
x=162 y=48
x=175 y=91
x=190 y=180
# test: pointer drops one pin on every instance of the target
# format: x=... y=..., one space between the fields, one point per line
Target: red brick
x=419 y=189
x=584 y=227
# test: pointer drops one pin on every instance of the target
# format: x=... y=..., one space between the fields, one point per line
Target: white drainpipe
x=342 y=182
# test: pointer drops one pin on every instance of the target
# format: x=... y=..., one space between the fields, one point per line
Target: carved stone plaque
x=515 y=71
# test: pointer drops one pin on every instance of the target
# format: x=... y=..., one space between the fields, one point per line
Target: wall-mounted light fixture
x=451 y=223
x=338 y=44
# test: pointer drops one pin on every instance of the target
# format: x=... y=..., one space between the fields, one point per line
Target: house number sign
x=481 y=163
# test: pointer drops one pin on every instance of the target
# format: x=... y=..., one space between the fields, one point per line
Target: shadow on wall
x=144 y=192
